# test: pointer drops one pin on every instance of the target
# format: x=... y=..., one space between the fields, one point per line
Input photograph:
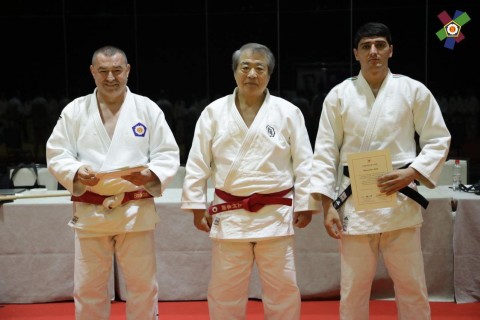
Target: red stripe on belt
x=95 y=198
x=251 y=203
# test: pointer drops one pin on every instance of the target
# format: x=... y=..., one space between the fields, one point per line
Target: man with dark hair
x=378 y=110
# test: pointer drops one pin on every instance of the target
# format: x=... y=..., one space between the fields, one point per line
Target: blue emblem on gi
x=139 y=130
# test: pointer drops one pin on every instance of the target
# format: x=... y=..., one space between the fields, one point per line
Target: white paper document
x=364 y=169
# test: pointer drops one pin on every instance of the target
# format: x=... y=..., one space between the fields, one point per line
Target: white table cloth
x=36 y=253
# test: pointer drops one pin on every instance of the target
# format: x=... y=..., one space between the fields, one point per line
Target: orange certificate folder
x=117 y=173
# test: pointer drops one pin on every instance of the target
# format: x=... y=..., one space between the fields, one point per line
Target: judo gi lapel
x=118 y=155
x=251 y=133
x=97 y=118
x=376 y=108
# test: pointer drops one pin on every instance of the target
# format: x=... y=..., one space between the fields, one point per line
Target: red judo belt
x=251 y=203
x=94 y=198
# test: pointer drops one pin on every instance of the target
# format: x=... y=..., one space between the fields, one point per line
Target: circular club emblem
x=139 y=130
x=270 y=131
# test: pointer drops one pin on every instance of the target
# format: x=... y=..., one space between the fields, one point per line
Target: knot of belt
x=111 y=201
x=251 y=203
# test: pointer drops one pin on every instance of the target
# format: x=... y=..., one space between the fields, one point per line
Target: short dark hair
x=372 y=29
x=109 y=51
x=254 y=47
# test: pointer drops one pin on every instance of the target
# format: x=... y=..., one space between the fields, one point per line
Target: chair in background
x=31 y=176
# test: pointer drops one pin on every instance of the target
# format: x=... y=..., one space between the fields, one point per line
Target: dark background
x=180 y=53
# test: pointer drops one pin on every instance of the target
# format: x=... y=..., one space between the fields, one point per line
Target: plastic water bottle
x=457 y=175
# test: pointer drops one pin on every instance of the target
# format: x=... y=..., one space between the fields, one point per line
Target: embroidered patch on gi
x=139 y=130
x=74 y=220
x=345 y=223
x=270 y=131
x=216 y=221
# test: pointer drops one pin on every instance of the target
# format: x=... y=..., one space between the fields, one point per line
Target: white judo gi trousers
x=402 y=254
x=135 y=253
x=232 y=264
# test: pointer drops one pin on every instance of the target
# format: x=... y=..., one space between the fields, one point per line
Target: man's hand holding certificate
x=118 y=173
x=364 y=169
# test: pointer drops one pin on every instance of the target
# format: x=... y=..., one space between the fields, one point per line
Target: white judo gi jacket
x=272 y=155
x=354 y=120
x=142 y=137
